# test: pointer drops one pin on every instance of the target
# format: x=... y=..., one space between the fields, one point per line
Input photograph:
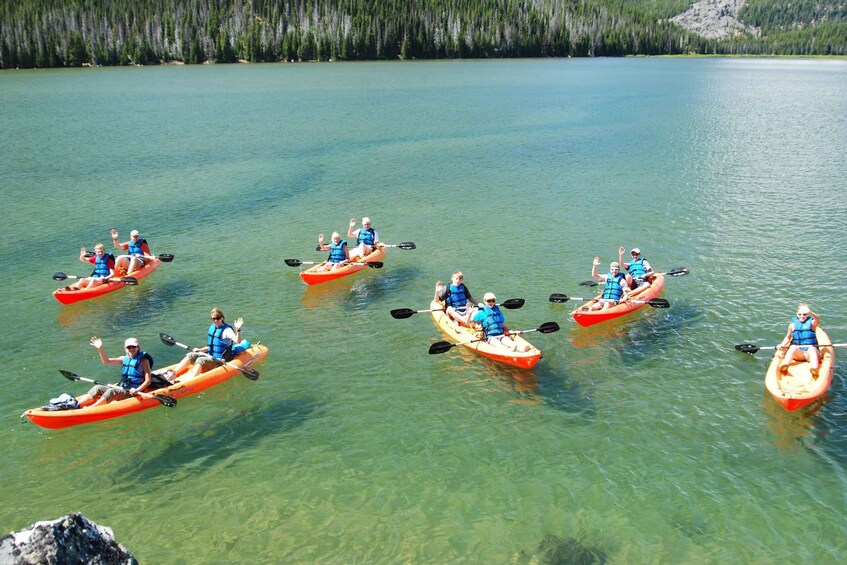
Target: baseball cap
x=131 y=341
x=489 y=296
x=133 y=233
x=636 y=250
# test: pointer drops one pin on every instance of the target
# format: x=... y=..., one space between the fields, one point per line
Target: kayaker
x=801 y=341
x=616 y=289
x=136 y=373
x=338 y=253
x=639 y=271
x=367 y=238
x=457 y=299
x=104 y=268
x=219 y=342
x=493 y=323
x=137 y=250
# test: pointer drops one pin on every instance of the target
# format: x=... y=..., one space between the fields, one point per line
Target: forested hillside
x=49 y=33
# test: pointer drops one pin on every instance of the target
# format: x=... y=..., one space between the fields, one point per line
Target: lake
x=648 y=439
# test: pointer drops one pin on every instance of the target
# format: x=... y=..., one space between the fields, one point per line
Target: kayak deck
x=181 y=387
x=585 y=317
x=314 y=276
x=71 y=296
x=458 y=334
x=798 y=388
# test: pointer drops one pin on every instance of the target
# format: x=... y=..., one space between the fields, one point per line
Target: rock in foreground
x=70 y=539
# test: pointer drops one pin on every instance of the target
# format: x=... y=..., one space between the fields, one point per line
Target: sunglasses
x=634 y=254
x=802 y=314
x=132 y=347
x=216 y=318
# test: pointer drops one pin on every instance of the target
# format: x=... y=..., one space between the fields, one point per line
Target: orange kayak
x=315 y=276
x=180 y=388
x=586 y=317
x=797 y=388
x=460 y=334
x=71 y=296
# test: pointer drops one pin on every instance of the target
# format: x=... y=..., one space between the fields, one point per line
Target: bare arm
x=352 y=225
x=594 y=274
x=98 y=343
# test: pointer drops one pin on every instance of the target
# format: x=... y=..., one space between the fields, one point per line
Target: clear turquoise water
x=647 y=440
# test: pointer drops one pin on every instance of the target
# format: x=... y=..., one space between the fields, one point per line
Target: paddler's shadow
x=147 y=304
x=642 y=339
x=827 y=424
x=207 y=447
x=366 y=291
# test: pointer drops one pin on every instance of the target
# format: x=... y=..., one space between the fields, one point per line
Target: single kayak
x=586 y=317
x=54 y=419
x=71 y=296
x=458 y=333
x=315 y=276
x=798 y=388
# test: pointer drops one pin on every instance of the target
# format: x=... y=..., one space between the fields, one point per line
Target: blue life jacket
x=494 y=323
x=131 y=374
x=135 y=248
x=101 y=265
x=457 y=297
x=636 y=269
x=613 y=289
x=219 y=348
x=336 y=252
x=803 y=333
x=366 y=236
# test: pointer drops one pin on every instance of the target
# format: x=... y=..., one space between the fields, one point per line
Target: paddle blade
x=659 y=303
x=747 y=348
x=165 y=257
x=513 y=303
x=559 y=298
x=251 y=374
x=293 y=262
x=440 y=347
x=678 y=272
x=402 y=313
x=130 y=281
x=68 y=375
x=318 y=247
x=59 y=276
x=166 y=400
x=166 y=339
x=548 y=327
x=406 y=245
x=588 y=283
x=89 y=254
x=375 y=265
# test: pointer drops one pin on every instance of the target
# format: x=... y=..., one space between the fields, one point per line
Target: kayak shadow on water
x=639 y=340
x=200 y=450
x=147 y=305
x=827 y=421
x=359 y=293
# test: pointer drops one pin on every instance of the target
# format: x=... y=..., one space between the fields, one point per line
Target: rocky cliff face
x=715 y=19
x=70 y=539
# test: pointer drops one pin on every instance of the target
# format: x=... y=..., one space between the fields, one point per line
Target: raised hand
x=96 y=342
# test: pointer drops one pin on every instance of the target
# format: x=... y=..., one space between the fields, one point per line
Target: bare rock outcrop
x=715 y=19
x=70 y=539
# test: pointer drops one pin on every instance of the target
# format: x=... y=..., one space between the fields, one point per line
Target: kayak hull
x=67 y=418
x=460 y=334
x=798 y=389
x=314 y=276
x=71 y=296
x=586 y=317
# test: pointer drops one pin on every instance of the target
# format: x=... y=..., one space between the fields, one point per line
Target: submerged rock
x=70 y=539
x=553 y=550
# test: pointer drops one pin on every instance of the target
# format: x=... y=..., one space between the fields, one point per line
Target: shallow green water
x=647 y=440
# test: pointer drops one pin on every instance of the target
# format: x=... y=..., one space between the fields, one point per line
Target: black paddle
x=251 y=374
x=168 y=401
x=131 y=281
x=402 y=313
x=404 y=245
x=164 y=257
x=675 y=272
x=444 y=346
x=655 y=303
x=752 y=349
x=298 y=262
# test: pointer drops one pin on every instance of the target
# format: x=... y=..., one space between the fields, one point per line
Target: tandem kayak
x=797 y=388
x=586 y=317
x=458 y=334
x=55 y=419
x=71 y=296
x=315 y=276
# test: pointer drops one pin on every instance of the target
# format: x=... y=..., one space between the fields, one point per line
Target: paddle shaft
x=126 y=280
x=164 y=399
x=251 y=374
